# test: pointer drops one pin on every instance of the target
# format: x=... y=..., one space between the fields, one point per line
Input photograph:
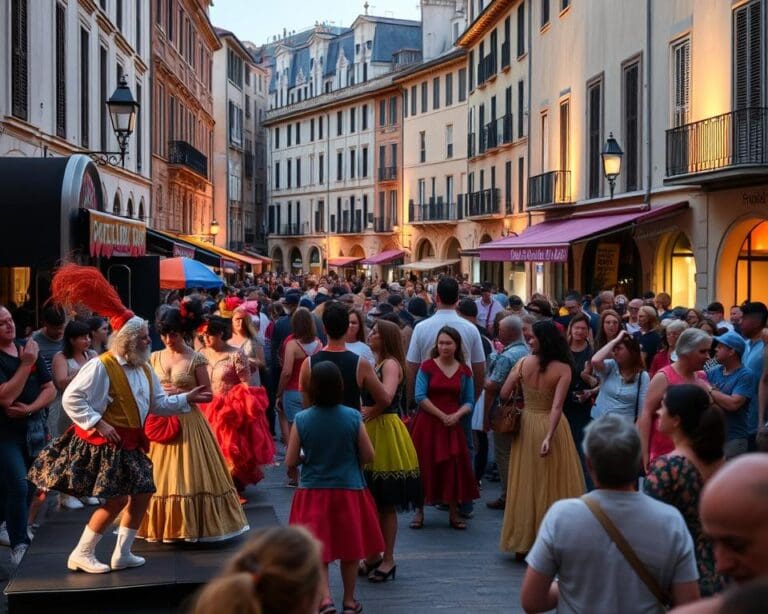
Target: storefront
x=315 y=262
x=386 y=264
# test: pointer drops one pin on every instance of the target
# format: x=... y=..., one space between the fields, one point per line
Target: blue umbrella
x=183 y=272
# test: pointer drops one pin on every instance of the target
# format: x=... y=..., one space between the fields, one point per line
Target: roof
x=391 y=37
x=222 y=33
x=444 y=58
x=299 y=64
x=345 y=44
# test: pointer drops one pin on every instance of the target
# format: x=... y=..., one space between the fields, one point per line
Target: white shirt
x=487 y=313
x=363 y=351
x=86 y=398
x=425 y=337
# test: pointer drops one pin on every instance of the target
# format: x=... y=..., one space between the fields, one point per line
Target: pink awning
x=384 y=257
x=344 y=260
x=549 y=241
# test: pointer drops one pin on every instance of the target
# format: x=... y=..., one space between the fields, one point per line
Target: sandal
x=459 y=525
x=417 y=523
x=353 y=609
x=327 y=607
x=364 y=567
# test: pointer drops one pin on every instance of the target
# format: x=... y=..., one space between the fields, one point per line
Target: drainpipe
x=649 y=99
x=530 y=78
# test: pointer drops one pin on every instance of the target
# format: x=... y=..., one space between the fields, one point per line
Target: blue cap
x=732 y=340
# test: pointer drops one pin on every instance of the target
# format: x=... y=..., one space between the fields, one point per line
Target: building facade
x=183 y=44
x=61 y=62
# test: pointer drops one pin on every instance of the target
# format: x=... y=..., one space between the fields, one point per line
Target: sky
x=251 y=20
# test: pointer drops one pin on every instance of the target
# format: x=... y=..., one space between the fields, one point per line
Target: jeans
x=15 y=491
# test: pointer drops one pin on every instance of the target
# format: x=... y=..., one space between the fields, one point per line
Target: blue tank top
x=329 y=440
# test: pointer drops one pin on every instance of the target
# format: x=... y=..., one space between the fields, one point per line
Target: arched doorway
x=452 y=251
x=752 y=266
x=425 y=249
x=296 y=261
x=277 y=259
x=357 y=252
x=612 y=263
x=682 y=272
x=315 y=263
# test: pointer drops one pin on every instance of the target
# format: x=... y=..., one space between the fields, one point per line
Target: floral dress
x=675 y=480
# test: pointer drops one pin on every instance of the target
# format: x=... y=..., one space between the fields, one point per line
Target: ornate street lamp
x=213 y=230
x=612 y=155
x=122 y=111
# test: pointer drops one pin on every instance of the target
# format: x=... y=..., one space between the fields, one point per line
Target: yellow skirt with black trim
x=393 y=476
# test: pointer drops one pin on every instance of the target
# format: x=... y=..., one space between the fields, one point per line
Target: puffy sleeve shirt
x=467 y=396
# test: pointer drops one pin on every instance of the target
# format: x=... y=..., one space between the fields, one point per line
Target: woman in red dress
x=445 y=393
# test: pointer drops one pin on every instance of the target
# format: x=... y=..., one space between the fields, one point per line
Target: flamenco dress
x=237 y=415
x=446 y=471
x=393 y=477
x=196 y=499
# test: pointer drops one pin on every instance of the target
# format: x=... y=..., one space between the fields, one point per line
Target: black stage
x=172 y=572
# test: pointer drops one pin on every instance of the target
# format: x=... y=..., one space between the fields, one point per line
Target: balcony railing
x=549 y=188
x=484 y=202
x=738 y=138
x=383 y=224
x=486 y=68
x=387 y=173
x=349 y=227
x=434 y=211
x=292 y=230
x=471 y=145
x=181 y=152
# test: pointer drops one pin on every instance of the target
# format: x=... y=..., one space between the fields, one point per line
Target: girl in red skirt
x=332 y=500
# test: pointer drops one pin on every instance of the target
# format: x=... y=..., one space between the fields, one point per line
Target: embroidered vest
x=122 y=410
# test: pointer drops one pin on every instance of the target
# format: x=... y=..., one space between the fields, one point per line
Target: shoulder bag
x=507 y=417
x=629 y=554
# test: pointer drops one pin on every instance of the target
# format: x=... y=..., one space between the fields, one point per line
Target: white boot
x=83 y=557
x=122 y=557
x=69 y=502
x=4 y=539
x=18 y=553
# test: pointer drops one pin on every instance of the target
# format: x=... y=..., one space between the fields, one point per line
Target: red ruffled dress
x=237 y=415
x=446 y=471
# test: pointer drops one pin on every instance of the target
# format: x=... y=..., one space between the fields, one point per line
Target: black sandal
x=364 y=567
x=355 y=609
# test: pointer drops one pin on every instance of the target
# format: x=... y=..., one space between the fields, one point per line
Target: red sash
x=131 y=438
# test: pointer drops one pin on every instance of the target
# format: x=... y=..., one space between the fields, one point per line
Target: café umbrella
x=176 y=273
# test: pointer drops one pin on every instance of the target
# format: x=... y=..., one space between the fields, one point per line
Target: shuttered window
x=681 y=80
x=61 y=82
x=565 y=132
x=85 y=116
x=748 y=55
x=594 y=115
x=632 y=125
x=19 y=65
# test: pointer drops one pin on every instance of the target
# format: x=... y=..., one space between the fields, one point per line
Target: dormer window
x=357 y=49
x=368 y=45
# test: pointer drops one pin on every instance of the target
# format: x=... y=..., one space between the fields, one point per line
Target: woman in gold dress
x=543 y=465
x=196 y=499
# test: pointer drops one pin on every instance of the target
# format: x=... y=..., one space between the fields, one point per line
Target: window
x=393 y=110
x=521 y=29
x=61 y=81
x=289 y=168
x=632 y=102
x=339 y=120
x=289 y=132
x=471 y=64
x=321 y=169
x=352 y=118
x=298 y=172
x=449 y=141
x=382 y=113
x=565 y=136
x=382 y=160
x=449 y=195
x=462 y=84
x=85 y=117
x=277 y=137
x=594 y=138
x=364 y=119
x=339 y=166
x=564 y=4
x=19 y=60
x=508 y=186
x=312 y=130
x=119 y=14
x=520 y=184
x=422 y=191
x=139 y=115
x=681 y=80
x=424 y=95
x=320 y=127
x=277 y=175
x=103 y=96
x=405 y=103
x=298 y=133
x=235 y=124
x=520 y=107
x=748 y=67
x=365 y=162
x=169 y=14
x=435 y=93
x=422 y=146
x=544 y=12
x=449 y=89
x=413 y=100
x=352 y=154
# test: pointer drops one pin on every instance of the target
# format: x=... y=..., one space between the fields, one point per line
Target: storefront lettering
x=755 y=199
x=110 y=236
x=181 y=250
x=539 y=254
x=607 y=264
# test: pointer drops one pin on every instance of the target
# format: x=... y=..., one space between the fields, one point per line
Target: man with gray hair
x=500 y=365
x=572 y=545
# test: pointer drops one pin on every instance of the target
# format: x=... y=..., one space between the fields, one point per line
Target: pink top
x=228 y=372
x=660 y=444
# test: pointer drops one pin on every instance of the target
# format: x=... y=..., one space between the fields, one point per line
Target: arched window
x=682 y=287
x=752 y=265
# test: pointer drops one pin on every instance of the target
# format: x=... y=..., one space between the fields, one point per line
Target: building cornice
x=89 y=6
x=484 y=22
x=454 y=57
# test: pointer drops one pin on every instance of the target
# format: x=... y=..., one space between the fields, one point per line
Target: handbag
x=162 y=429
x=629 y=554
x=507 y=417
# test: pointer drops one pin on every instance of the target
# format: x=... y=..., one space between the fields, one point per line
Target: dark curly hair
x=552 y=344
x=184 y=319
x=216 y=325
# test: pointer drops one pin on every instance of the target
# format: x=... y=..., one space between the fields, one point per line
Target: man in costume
x=103 y=454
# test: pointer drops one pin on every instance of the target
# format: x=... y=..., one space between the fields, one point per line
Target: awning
x=172 y=246
x=265 y=259
x=343 y=260
x=230 y=260
x=428 y=264
x=550 y=241
x=384 y=257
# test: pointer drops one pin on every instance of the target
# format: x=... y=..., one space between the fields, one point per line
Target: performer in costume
x=195 y=499
x=103 y=454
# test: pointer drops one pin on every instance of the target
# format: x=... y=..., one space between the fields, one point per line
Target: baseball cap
x=732 y=340
x=381 y=309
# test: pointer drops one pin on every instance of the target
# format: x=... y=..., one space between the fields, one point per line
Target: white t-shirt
x=362 y=350
x=425 y=336
x=593 y=575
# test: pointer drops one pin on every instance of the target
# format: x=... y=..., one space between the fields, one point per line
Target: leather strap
x=629 y=554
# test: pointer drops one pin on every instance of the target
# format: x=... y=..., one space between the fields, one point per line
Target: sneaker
x=69 y=502
x=4 y=539
x=91 y=500
x=18 y=553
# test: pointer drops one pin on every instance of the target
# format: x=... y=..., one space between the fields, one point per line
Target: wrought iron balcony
x=387 y=173
x=292 y=230
x=434 y=211
x=550 y=188
x=349 y=227
x=181 y=152
x=716 y=148
x=471 y=145
x=497 y=132
x=486 y=68
x=483 y=203
x=383 y=224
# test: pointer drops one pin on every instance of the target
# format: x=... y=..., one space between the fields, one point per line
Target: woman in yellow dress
x=543 y=465
x=196 y=499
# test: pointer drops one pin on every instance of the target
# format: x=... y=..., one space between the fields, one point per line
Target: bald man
x=733 y=510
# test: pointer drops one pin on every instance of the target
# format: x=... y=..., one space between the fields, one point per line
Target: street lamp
x=612 y=155
x=213 y=230
x=122 y=111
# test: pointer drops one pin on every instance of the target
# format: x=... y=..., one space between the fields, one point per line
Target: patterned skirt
x=76 y=467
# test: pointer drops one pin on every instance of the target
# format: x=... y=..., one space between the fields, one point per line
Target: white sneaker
x=30 y=534
x=18 y=553
x=126 y=560
x=91 y=500
x=87 y=562
x=4 y=539
x=70 y=502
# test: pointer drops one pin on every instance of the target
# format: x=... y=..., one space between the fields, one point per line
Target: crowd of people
x=626 y=416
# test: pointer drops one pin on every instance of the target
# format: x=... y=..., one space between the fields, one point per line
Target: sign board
x=539 y=254
x=183 y=250
x=109 y=236
x=607 y=264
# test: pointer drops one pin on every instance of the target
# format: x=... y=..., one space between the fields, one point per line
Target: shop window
x=752 y=265
x=612 y=263
x=682 y=285
x=14 y=289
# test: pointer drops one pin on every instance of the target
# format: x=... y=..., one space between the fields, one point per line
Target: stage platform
x=171 y=575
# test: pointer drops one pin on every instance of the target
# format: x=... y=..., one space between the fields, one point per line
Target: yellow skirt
x=536 y=482
x=196 y=499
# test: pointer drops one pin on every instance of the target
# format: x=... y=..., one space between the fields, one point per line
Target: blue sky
x=251 y=19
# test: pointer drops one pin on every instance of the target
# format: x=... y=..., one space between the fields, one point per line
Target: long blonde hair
x=277 y=571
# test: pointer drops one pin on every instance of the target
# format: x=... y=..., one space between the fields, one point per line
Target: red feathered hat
x=73 y=285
